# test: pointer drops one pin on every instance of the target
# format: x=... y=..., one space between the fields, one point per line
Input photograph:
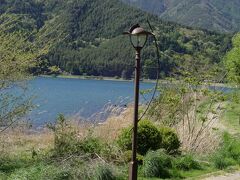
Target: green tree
x=16 y=58
x=150 y=69
x=232 y=60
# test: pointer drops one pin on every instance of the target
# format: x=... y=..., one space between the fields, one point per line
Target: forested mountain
x=85 y=37
x=218 y=15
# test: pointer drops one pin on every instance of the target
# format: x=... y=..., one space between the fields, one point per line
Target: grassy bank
x=32 y=157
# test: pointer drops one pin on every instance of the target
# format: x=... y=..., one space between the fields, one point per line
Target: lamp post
x=138 y=37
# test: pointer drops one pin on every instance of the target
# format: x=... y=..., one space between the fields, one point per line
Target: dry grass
x=110 y=129
x=19 y=141
x=195 y=116
x=201 y=136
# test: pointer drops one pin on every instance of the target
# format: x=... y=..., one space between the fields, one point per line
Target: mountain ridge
x=217 y=15
x=85 y=37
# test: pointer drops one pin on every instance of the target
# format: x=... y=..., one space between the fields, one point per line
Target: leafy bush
x=149 y=137
x=157 y=164
x=170 y=140
x=186 y=163
x=103 y=172
x=90 y=145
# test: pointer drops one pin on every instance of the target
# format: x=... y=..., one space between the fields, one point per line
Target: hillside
x=85 y=37
x=218 y=15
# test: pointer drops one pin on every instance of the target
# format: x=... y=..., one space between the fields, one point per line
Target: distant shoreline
x=95 y=78
x=126 y=80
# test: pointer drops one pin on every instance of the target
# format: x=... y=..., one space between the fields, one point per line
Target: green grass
x=3 y=176
x=231 y=116
x=189 y=174
x=197 y=173
x=39 y=169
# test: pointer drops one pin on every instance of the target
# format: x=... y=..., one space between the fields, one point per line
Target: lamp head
x=138 y=36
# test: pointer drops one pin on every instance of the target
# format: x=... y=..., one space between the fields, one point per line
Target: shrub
x=170 y=140
x=90 y=145
x=149 y=137
x=186 y=163
x=157 y=164
x=64 y=137
x=103 y=172
x=66 y=141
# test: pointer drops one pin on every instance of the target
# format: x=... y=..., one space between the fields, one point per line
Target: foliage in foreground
x=84 y=165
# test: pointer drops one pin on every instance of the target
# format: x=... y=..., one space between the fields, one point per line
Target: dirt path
x=218 y=124
x=228 y=176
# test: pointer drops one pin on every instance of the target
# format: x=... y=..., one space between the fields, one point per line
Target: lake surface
x=79 y=98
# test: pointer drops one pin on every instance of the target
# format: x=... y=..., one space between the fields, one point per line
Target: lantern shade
x=138 y=41
x=138 y=36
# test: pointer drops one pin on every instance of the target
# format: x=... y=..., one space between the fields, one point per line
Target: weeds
x=103 y=172
x=180 y=107
x=186 y=163
x=228 y=154
x=67 y=141
x=157 y=164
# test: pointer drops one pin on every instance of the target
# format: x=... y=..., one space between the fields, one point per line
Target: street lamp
x=138 y=37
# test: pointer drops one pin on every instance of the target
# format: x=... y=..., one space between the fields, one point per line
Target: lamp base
x=133 y=167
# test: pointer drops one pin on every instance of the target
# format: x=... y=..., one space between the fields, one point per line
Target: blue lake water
x=76 y=97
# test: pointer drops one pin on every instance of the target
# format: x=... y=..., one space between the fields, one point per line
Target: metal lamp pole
x=138 y=37
x=133 y=163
